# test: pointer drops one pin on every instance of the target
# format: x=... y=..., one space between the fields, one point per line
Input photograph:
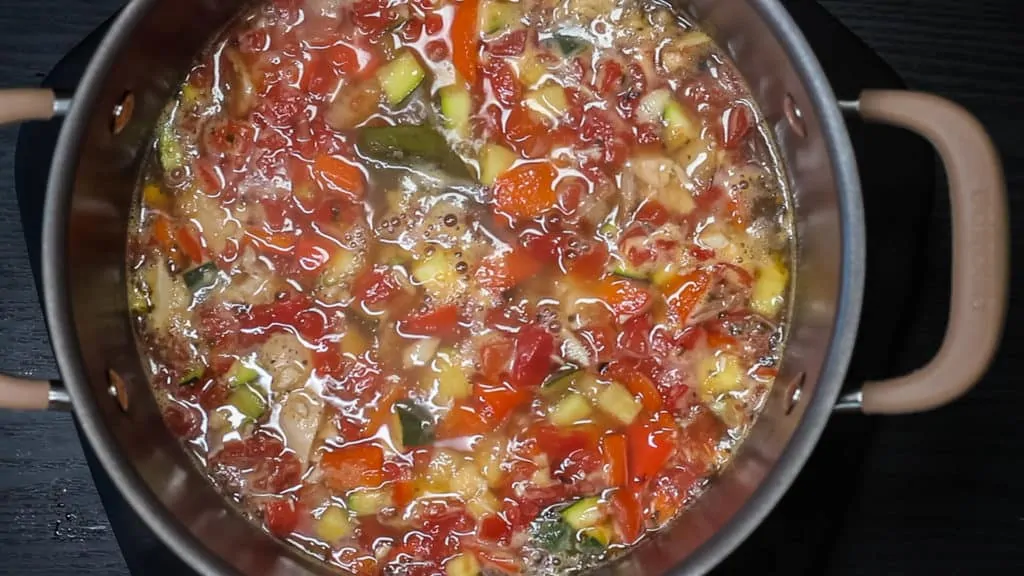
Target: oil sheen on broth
x=454 y=287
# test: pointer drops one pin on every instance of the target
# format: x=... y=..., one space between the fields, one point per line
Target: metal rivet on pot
x=793 y=391
x=117 y=389
x=123 y=112
x=794 y=116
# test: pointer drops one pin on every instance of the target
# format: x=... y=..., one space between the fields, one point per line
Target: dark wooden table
x=953 y=501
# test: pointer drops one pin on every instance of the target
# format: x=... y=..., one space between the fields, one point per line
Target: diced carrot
x=624 y=297
x=719 y=340
x=439 y=321
x=613 y=449
x=628 y=515
x=162 y=232
x=353 y=466
x=188 y=241
x=334 y=174
x=466 y=41
x=686 y=291
x=462 y=420
x=637 y=383
x=381 y=411
x=526 y=190
x=280 y=242
x=504 y=271
x=403 y=492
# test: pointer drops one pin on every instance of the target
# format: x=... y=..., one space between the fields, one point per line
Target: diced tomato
x=560 y=443
x=504 y=271
x=182 y=420
x=526 y=190
x=570 y=191
x=686 y=291
x=433 y=24
x=599 y=128
x=313 y=251
x=613 y=449
x=511 y=43
x=281 y=516
x=496 y=360
x=635 y=335
x=627 y=514
x=588 y=263
x=439 y=321
x=436 y=50
x=337 y=175
x=635 y=87
x=411 y=30
x=353 y=466
x=651 y=212
x=503 y=81
x=465 y=40
x=525 y=134
x=376 y=285
x=279 y=313
x=328 y=361
x=669 y=493
x=494 y=528
x=651 y=443
x=533 y=350
x=600 y=340
x=609 y=77
x=506 y=318
x=647 y=133
x=624 y=297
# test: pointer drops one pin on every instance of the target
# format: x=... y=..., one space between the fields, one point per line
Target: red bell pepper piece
x=534 y=347
x=466 y=40
x=651 y=444
x=281 y=516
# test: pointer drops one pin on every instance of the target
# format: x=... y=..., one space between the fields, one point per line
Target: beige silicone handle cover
x=24 y=394
x=21 y=104
x=980 y=268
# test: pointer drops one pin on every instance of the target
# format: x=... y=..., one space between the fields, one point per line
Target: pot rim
x=57 y=306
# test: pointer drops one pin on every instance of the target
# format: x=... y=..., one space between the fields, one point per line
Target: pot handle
x=26 y=394
x=24 y=104
x=980 y=268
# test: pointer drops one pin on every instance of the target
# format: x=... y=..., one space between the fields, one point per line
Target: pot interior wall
x=147 y=55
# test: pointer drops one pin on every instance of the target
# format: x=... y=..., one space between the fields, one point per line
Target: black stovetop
x=805 y=532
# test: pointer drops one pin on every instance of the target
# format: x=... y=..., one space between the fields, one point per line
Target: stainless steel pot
x=136 y=69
